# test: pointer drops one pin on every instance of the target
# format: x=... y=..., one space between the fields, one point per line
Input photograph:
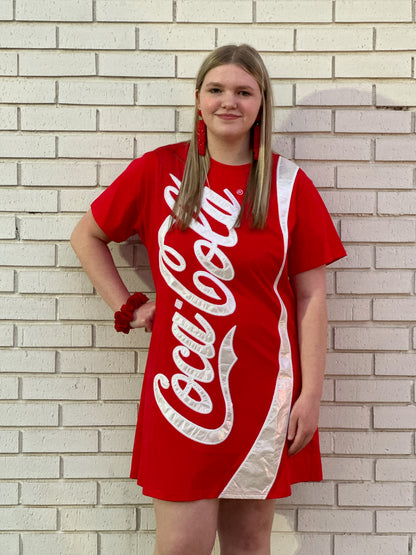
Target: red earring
x=256 y=139
x=201 y=134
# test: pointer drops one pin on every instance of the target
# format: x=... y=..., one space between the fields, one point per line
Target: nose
x=229 y=100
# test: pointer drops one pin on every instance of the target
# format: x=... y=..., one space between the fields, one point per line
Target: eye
x=214 y=90
x=244 y=93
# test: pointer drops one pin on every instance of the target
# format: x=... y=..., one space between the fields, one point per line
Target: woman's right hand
x=144 y=316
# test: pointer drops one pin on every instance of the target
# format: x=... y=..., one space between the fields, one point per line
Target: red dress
x=223 y=365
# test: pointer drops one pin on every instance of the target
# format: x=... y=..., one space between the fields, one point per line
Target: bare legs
x=244 y=526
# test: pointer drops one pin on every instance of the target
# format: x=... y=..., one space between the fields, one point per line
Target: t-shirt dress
x=223 y=366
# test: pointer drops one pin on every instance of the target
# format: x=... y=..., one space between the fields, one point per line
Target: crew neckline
x=241 y=166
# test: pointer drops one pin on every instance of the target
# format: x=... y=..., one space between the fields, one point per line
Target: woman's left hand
x=303 y=423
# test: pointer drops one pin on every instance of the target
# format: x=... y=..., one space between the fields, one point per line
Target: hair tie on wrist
x=124 y=316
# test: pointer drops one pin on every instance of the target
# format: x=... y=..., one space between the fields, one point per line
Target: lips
x=227 y=116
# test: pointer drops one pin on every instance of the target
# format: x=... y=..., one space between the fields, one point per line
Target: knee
x=183 y=542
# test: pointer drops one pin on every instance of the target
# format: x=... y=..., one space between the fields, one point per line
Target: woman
x=238 y=239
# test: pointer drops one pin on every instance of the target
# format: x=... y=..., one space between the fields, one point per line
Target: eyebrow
x=215 y=84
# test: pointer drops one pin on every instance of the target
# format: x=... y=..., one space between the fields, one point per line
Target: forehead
x=231 y=74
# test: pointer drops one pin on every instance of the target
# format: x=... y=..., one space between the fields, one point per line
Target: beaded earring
x=256 y=139
x=201 y=134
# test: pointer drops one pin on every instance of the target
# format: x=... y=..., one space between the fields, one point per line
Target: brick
x=53 y=282
x=6 y=335
x=375 y=177
x=120 y=441
x=105 y=337
x=60 y=441
x=22 y=518
x=59 y=493
x=369 y=545
x=8 y=117
x=54 y=10
x=6 y=10
x=334 y=148
x=395 y=309
x=15 y=254
x=403 y=203
x=238 y=11
x=137 y=64
x=98 y=518
x=328 y=390
x=59 y=543
x=8 y=173
x=24 y=308
x=102 y=37
x=146 y=543
x=21 y=361
x=18 y=35
x=387 y=495
x=122 y=492
x=344 y=417
x=18 y=200
x=399 y=37
x=397 y=93
x=58 y=173
x=374 y=65
x=176 y=37
x=119 y=543
x=291 y=121
x=99 y=414
x=374 y=282
x=147 y=519
x=27 y=146
x=403 y=470
x=289 y=11
x=8 y=63
x=122 y=255
x=95 y=362
x=131 y=119
x=337 y=38
x=398 y=149
x=372 y=10
x=7 y=281
x=329 y=520
x=322 y=175
x=372 y=339
x=9 y=494
x=373 y=391
x=284 y=520
x=333 y=94
x=396 y=521
x=96 y=466
x=131 y=10
x=360 y=121
x=28 y=414
x=150 y=141
x=373 y=443
x=62 y=118
x=79 y=203
x=83 y=308
x=23 y=467
x=141 y=257
x=59 y=388
x=95 y=92
x=378 y=230
x=311 y=494
x=165 y=92
x=397 y=364
x=21 y=91
x=7 y=227
x=301 y=544
x=348 y=364
x=343 y=202
x=358 y=256
x=298 y=66
x=47 y=227
x=109 y=171
x=95 y=146
x=9 y=387
x=264 y=38
x=121 y=388
x=56 y=63
x=348 y=310
x=401 y=417
x=9 y=442
x=347 y=468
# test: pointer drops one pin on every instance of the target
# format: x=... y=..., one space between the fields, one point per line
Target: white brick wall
x=87 y=85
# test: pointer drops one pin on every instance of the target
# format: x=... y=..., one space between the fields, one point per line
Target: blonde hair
x=256 y=200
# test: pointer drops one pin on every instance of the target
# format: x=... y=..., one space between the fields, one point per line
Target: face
x=229 y=100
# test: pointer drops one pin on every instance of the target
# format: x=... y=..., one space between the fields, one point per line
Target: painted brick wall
x=87 y=85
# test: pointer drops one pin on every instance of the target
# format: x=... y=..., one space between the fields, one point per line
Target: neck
x=230 y=153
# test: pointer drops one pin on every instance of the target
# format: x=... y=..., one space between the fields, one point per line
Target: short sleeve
x=313 y=240
x=118 y=210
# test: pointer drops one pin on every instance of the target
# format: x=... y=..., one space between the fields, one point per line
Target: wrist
x=125 y=315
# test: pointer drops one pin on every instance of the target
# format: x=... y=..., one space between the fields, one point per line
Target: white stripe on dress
x=257 y=473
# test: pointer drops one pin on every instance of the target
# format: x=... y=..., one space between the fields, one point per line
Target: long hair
x=256 y=200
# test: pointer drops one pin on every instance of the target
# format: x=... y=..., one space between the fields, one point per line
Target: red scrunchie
x=124 y=316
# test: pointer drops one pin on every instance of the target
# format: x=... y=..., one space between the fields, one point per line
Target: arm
x=90 y=245
x=310 y=291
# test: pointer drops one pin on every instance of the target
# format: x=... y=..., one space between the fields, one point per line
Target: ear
x=197 y=98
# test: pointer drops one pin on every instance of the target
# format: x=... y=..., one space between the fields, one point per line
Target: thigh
x=244 y=526
x=184 y=528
